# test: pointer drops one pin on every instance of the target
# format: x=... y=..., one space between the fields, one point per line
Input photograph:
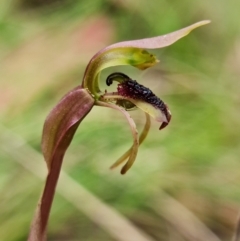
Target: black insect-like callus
x=131 y=91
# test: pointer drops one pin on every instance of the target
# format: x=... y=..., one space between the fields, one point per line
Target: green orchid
x=63 y=121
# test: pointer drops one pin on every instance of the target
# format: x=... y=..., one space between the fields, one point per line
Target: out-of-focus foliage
x=44 y=48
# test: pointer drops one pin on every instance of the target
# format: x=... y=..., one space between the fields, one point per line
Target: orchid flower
x=63 y=121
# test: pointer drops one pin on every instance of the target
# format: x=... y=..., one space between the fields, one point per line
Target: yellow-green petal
x=135 y=57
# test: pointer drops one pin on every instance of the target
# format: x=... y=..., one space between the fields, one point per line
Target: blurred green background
x=185 y=182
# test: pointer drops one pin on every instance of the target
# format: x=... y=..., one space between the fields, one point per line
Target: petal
x=134 y=149
x=130 y=53
x=138 y=58
x=62 y=122
x=159 y=41
x=142 y=137
x=59 y=129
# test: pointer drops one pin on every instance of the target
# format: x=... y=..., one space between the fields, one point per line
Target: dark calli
x=131 y=91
